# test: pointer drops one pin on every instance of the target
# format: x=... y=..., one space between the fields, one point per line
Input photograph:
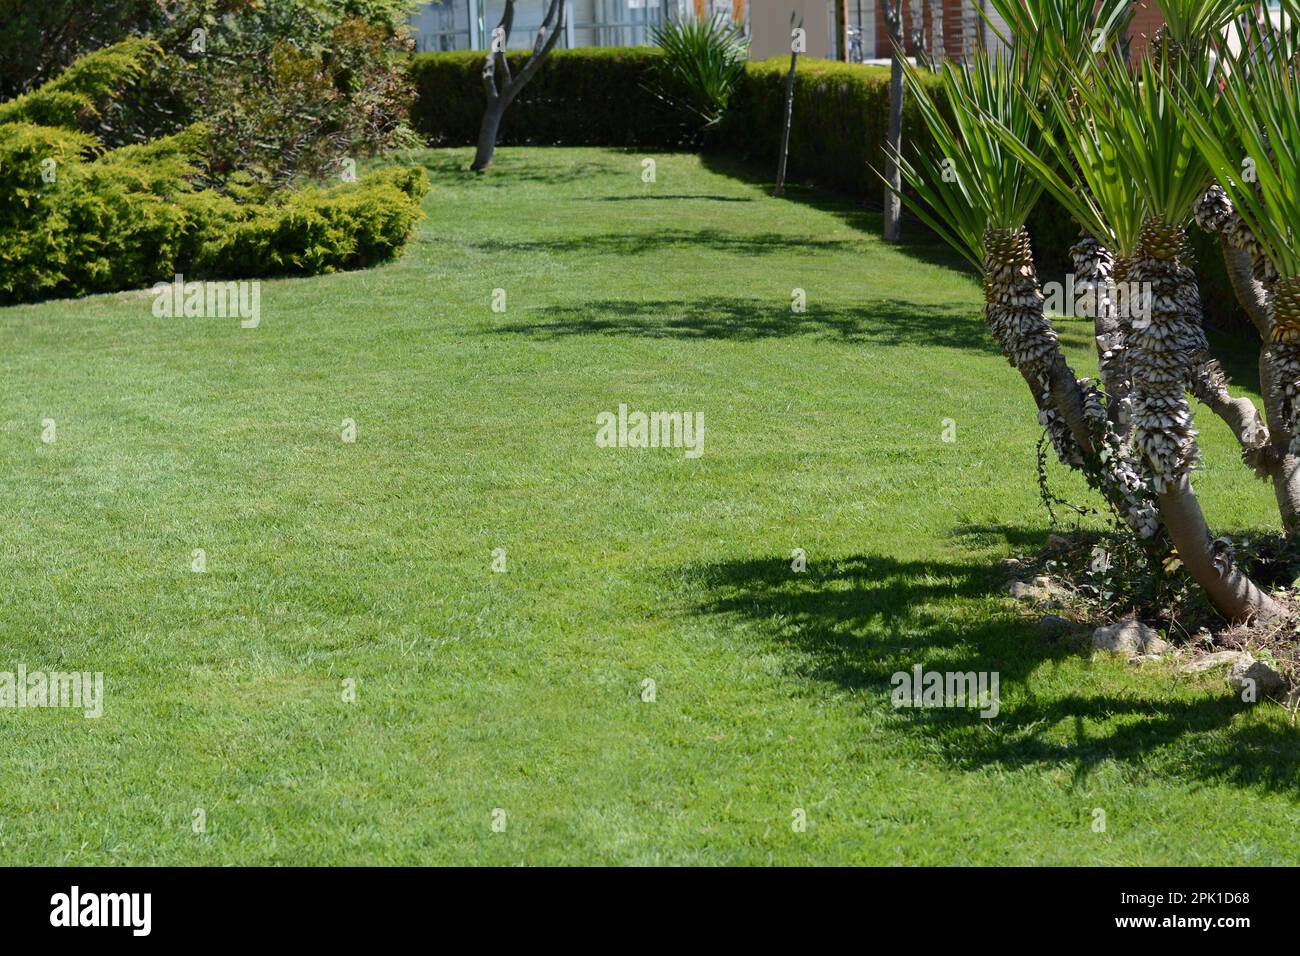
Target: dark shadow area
x=857 y=621
x=918 y=241
x=662 y=198
x=875 y=321
x=1239 y=356
x=506 y=170
x=716 y=240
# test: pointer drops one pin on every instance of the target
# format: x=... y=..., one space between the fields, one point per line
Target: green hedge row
x=597 y=97
x=587 y=97
x=838 y=132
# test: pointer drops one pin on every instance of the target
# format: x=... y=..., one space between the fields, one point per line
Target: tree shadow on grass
x=632 y=244
x=662 y=197
x=856 y=621
x=887 y=322
x=918 y=241
x=509 y=167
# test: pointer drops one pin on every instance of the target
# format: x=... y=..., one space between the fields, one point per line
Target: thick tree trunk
x=1210 y=561
x=1161 y=350
x=487 y=135
x=894 y=135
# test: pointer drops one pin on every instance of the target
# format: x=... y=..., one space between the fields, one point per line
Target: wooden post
x=797 y=45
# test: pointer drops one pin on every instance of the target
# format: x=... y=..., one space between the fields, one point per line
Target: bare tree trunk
x=842 y=29
x=487 y=134
x=894 y=137
x=1209 y=561
x=500 y=94
x=1250 y=292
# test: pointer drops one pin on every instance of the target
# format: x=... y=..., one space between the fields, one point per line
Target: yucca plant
x=1196 y=26
x=1073 y=30
x=1140 y=175
x=976 y=193
x=1247 y=127
x=703 y=61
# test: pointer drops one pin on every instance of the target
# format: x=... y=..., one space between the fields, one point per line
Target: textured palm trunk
x=1284 y=354
x=1073 y=412
x=1253 y=277
x=1093 y=271
x=1162 y=348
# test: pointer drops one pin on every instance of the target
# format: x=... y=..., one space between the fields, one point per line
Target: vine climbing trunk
x=1072 y=411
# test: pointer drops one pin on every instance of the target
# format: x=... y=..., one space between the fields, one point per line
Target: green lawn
x=476 y=690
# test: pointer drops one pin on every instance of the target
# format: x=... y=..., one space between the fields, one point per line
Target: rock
x=1144 y=659
x=1207 y=662
x=1267 y=681
x=1010 y=562
x=1025 y=592
x=1042 y=582
x=1055 y=626
x=1128 y=637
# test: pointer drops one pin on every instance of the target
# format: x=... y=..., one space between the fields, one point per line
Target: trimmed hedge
x=586 y=97
x=134 y=216
x=837 y=137
x=838 y=127
x=77 y=217
x=597 y=97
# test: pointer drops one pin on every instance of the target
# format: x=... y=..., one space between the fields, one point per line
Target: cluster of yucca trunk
x=1111 y=144
x=1081 y=421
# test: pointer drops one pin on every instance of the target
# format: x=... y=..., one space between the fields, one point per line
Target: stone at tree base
x=1128 y=637
x=1025 y=592
x=1144 y=659
x=1055 y=626
x=1057 y=543
x=1210 y=661
x=1268 y=682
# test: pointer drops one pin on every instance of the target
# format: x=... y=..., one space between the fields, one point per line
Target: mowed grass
x=371 y=562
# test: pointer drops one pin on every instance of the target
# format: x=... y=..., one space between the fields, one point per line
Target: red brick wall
x=1146 y=21
x=953 y=41
x=883 y=46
